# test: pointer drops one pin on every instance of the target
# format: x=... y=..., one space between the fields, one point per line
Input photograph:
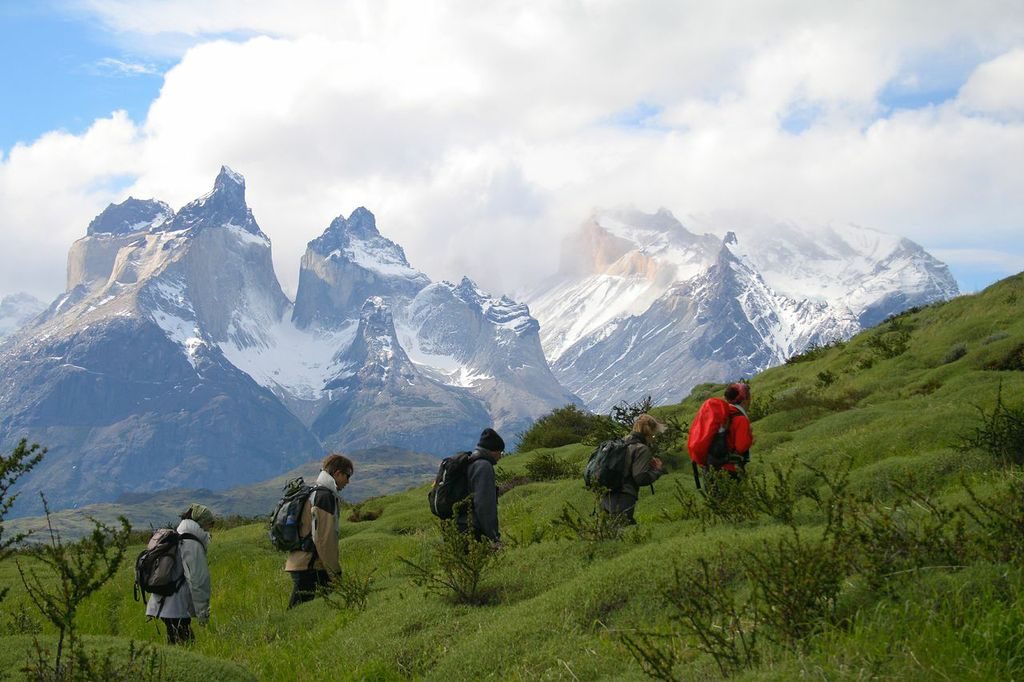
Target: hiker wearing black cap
x=482 y=488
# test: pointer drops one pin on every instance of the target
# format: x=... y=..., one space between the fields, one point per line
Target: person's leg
x=185 y=635
x=174 y=629
x=303 y=587
x=323 y=579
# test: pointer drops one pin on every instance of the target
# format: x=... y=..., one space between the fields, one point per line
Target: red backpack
x=712 y=421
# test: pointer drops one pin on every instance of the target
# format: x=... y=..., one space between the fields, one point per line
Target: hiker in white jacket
x=192 y=600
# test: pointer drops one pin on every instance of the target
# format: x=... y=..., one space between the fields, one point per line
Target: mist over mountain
x=16 y=310
x=643 y=306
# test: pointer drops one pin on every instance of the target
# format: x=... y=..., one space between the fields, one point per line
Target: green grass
x=563 y=605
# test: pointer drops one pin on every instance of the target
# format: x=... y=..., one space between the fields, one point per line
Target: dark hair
x=737 y=393
x=335 y=462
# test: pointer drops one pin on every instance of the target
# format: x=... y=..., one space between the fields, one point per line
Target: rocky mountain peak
x=225 y=205
x=131 y=215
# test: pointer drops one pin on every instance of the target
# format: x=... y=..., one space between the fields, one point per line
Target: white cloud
x=997 y=87
x=480 y=133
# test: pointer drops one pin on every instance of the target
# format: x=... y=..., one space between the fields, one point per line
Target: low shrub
x=561 y=426
x=1012 y=361
x=955 y=352
x=545 y=466
x=350 y=590
x=1001 y=432
x=456 y=566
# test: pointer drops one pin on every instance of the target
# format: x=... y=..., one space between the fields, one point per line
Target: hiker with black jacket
x=482 y=488
x=316 y=567
x=642 y=468
x=192 y=599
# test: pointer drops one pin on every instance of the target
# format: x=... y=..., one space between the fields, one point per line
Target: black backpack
x=158 y=568
x=606 y=467
x=718 y=452
x=451 y=485
x=286 y=521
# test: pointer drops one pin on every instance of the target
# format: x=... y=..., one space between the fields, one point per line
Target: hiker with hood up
x=192 y=599
x=483 y=489
x=642 y=468
x=314 y=569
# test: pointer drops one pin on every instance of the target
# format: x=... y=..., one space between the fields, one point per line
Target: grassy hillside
x=861 y=534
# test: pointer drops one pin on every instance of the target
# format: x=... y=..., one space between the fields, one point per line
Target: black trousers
x=305 y=585
x=179 y=630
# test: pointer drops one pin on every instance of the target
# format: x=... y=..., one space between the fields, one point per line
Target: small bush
x=562 y=426
x=1013 y=361
x=1000 y=522
x=593 y=527
x=707 y=613
x=1001 y=432
x=796 y=583
x=826 y=379
x=814 y=352
x=349 y=591
x=776 y=498
x=890 y=343
x=544 y=466
x=456 y=566
x=955 y=352
x=359 y=513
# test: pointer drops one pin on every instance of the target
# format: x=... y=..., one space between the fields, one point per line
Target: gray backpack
x=158 y=568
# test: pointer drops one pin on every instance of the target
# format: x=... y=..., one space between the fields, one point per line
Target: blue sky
x=60 y=68
x=488 y=128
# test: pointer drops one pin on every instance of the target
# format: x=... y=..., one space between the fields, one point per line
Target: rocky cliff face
x=174 y=358
x=122 y=378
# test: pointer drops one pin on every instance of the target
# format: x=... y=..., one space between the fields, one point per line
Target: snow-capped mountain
x=122 y=377
x=174 y=359
x=642 y=306
x=16 y=310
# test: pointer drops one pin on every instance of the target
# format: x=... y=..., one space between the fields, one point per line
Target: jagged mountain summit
x=642 y=306
x=453 y=337
x=174 y=359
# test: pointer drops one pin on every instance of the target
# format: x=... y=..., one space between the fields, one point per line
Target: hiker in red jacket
x=720 y=436
x=740 y=436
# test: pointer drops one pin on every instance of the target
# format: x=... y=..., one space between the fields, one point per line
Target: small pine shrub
x=596 y=526
x=705 y=613
x=726 y=498
x=456 y=566
x=1001 y=432
x=889 y=343
x=544 y=466
x=562 y=426
x=796 y=583
x=776 y=498
x=826 y=378
x=1000 y=522
x=349 y=591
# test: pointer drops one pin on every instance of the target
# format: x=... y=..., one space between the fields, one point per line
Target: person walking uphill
x=642 y=468
x=482 y=488
x=192 y=598
x=316 y=565
x=720 y=436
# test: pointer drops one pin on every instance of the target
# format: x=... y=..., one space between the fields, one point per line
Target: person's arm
x=325 y=535
x=485 y=499
x=742 y=436
x=645 y=471
x=197 y=574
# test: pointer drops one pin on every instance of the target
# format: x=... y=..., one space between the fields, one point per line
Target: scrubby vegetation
x=879 y=534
